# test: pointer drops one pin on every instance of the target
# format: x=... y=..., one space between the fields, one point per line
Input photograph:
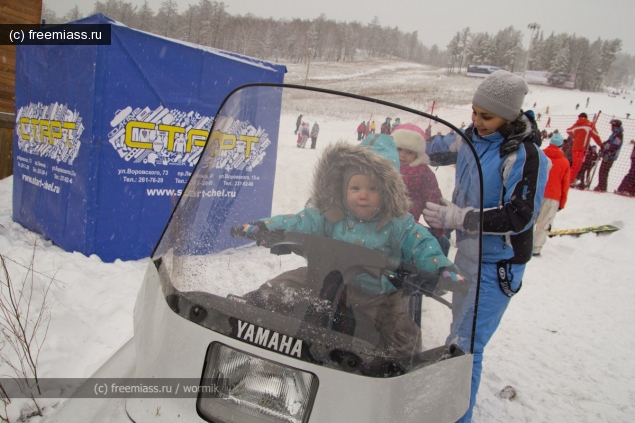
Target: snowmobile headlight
x=239 y=387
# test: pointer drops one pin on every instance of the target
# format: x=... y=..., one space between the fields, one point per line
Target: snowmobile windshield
x=301 y=231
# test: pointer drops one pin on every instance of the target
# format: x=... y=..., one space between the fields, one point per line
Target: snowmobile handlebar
x=263 y=236
x=403 y=275
x=416 y=281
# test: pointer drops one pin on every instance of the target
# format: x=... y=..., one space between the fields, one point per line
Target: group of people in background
x=368 y=127
x=572 y=162
x=303 y=133
x=583 y=157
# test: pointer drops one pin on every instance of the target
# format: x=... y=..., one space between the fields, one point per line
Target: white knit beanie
x=413 y=138
x=501 y=93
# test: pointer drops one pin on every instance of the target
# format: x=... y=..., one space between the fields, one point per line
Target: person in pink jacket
x=556 y=191
x=419 y=178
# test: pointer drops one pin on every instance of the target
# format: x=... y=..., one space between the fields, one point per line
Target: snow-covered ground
x=564 y=344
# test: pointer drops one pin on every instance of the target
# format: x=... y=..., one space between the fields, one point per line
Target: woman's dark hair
x=516 y=127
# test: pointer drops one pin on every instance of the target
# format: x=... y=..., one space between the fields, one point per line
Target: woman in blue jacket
x=515 y=173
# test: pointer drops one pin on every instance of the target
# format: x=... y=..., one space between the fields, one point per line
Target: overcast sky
x=437 y=20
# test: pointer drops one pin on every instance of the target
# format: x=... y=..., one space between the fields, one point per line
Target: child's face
x=362 y=197
x=485 y=122
x=406 y=156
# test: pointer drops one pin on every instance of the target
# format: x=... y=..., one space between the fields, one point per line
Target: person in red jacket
x=360 y=131
x=556 y=191
x=581 y=130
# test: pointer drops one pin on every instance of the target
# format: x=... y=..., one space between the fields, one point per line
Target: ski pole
x=586 y=147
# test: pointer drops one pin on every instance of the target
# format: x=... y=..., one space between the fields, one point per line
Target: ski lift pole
x=429 y=128
x=308 y=64
x=587 y=182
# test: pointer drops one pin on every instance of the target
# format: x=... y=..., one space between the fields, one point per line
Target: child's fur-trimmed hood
x=377 y=157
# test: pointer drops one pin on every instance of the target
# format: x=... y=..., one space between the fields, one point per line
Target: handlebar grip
x=238 y=232
x=260 y=234
x=441 y=282
x=460 y=286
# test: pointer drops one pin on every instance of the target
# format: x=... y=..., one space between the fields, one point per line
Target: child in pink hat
x=421 y=181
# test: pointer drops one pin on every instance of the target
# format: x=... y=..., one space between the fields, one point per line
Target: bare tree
x=610 y=48
x=49 y=16
x=127 y=13
x=24 y=323
x=373 y=36
x=506 y=45
x=110 y=8
x=479 y=49
x=72 y=15
x=167 y=16
x=145 y=17
x=454 y=50
x=561 y=62
x=578 y=50
x=622 y=72
x=465 y=38
x=589 y=76
x=218 y=23
x=246 y=33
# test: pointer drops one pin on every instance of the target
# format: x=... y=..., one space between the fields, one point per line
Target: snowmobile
x=197 y=320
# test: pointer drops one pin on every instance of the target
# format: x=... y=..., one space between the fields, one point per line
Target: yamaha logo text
x=269 y=339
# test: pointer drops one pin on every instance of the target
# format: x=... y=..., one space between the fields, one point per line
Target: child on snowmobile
x=359 y=197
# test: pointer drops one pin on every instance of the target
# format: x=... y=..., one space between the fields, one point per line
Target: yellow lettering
x=35 y=125
x=44 y=130
x=23 y=131
x=171 y=130
x=55 y=131
x=248 y=140
x=69 y=126
x=141 y=125
x=215 y=139
x=228 y=142
x=196 y=137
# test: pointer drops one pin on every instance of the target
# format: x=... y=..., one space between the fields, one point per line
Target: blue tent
x=107 y=135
